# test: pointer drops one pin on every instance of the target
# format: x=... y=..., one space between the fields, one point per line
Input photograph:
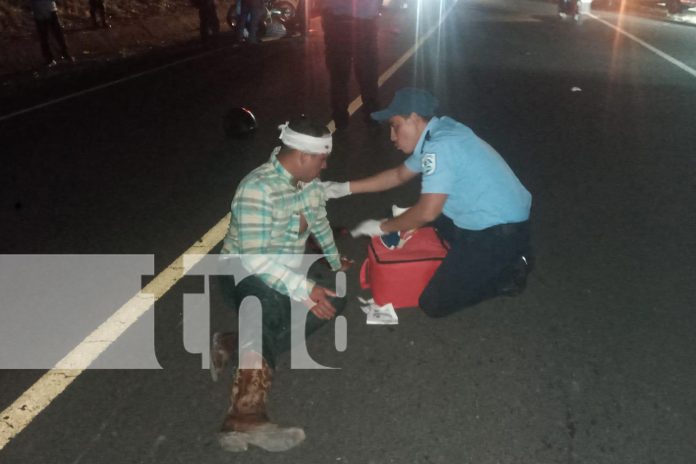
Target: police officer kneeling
x=468 y=193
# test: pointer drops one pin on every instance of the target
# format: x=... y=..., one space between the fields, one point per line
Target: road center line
x=16 y=417
x=657 y=51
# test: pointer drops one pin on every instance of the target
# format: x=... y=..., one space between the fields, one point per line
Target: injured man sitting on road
x=274 y=211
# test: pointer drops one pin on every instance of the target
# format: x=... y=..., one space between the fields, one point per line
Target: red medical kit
x=398 y=276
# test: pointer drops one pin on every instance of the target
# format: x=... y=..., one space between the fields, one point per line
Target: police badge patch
x=428 y=164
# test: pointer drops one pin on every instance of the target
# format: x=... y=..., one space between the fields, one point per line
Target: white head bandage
x=305 y=143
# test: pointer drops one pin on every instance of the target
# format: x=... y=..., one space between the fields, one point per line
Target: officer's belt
x=511 y=228
x=500 y=230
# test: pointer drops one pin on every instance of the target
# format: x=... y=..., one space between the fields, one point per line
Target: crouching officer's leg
x=464 y=278
x=480 y=265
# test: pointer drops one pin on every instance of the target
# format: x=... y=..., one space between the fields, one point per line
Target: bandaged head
x=305 y=143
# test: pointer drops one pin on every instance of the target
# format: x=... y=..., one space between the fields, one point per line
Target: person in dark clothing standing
x=350 y=38
x=251 y=14
x=47 y=21
x=97 y=11
x=209 y=21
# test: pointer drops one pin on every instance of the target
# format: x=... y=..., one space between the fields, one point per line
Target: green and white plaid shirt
x=265 y=223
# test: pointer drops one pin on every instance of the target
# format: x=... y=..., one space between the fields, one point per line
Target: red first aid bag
x=398 y=276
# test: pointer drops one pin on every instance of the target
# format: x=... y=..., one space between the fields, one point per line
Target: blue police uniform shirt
x=482 y=191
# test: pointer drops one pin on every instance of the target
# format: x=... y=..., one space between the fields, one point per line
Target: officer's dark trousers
x=471 y=271
x=51 y=25
x=350 y=41
x=276 y=313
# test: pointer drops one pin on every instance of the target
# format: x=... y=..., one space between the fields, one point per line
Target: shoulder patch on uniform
x=428 y=163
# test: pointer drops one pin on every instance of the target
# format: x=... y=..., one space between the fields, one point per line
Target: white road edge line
x=16 y=417
x=657 y=51
x=108 y=84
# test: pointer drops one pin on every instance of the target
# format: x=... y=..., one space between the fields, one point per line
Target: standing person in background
x=46 y=18
x=350 y=38
x=252 y=13
x=97 y=9
x=209 y=22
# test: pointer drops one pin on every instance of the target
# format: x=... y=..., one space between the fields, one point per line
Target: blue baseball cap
x=406 y=101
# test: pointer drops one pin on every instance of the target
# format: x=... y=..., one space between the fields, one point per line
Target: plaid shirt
x=265 y=221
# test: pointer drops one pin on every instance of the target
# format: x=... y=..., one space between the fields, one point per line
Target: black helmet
x=239 y=122
x=276 y=29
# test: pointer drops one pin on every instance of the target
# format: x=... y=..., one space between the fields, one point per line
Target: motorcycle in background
x=282 y=17
x=574 y=9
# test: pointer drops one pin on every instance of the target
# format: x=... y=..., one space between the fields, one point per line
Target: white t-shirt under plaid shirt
x=265 y=223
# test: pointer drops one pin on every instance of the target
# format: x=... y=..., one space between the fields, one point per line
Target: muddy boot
x=247 y=422
x=223 y=347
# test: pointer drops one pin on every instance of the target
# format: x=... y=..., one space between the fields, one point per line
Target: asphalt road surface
x=594 y=363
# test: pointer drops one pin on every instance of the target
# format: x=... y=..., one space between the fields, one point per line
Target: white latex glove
x=396 y=211
x=335 y=189
x=369 y=228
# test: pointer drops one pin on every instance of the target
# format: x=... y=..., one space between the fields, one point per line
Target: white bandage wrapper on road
x=378 y=315
x=305 y=143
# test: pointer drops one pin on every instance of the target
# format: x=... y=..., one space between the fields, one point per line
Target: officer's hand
x=319 y=302
x=369 y=228
x=335 y=189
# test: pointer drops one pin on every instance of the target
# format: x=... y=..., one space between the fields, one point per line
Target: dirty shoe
x=268 y=437
x=247 y=422
x=233 y=441
x=272 y=438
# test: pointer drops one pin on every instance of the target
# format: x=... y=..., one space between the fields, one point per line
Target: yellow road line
x=24 y=409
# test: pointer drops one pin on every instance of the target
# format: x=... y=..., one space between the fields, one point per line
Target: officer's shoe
x=513 y=280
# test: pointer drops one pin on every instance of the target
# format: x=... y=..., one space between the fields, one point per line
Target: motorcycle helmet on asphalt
x=239 y=122
x=276 y=30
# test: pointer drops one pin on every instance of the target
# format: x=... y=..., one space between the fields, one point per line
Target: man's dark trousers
x=276 y=313
x=52 y=25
